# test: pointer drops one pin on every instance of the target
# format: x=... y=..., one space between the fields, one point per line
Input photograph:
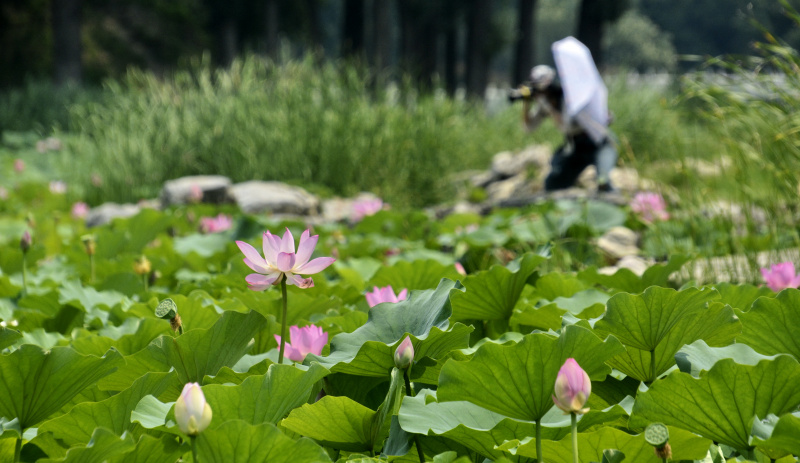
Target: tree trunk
x=66 y=40
x=451 y=59
x=477 y=59
x=271 y=14
x=228 y=40
x=591 y=22
x=353 y=28
x=524 y=58
x=381 y=33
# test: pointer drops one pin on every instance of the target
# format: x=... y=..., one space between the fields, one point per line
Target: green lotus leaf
x=518 y=380
x=147 y=329
x=264 y=398
x=113 y=414
x=197 y=353
x=204 y=245
x=337 y=422
x=357 y=271
x=741 y=296
x=420 y=274
x=591 y=445
x=229 y=376
x=716 y=325
x=771 y=326
x=8 y=337
x=644 y=321
x=369 y=350
x=482 y=430
x=546 y=317
x=698 y=357
x=37 y=383
x=95 y=303
x=150 y=449
x=555 y=285
x=151 y=413
x=721 y=403
x=130 y=235
x=492 y=294
x=103 y=445
x=627 y=281
x=240 y=442
x=150 y=359
x=784 y=439
x=10 y=429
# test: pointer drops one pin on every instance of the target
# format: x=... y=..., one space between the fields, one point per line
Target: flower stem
x=194 y=448
x=24 y=274
x=91 y=266
x=144 y=280
x=283 y=320
x=18 y=449
x=410 y=393
x=539 y=457
x=575 y=458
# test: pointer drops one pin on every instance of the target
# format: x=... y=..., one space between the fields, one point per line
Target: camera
x=523 y=92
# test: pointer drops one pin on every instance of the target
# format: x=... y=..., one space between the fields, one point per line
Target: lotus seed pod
x=167 y=309
x=656 y=434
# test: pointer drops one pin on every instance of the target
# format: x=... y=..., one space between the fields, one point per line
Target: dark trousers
x=578 y=153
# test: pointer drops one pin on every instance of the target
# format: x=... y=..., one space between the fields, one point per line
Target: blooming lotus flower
x=192 y=413
x=365 y=207
x=404 y=355
x=303 y=341
x=19 y=165
x=650 y=206
x=216 y=224
x=573 y=388
x=80 y=210
x=281 y=259
x=781 y=276
x=385 y=294
x=58 y=187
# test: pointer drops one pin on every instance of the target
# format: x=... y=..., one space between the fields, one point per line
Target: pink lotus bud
x=781 y=276
x=80 y=210
x=25 y=242
x=195 y=194
x=460 y=269
x=404 y=355
x=19 y=165
x=573 y=388
x=192 y=413
x=385 y=294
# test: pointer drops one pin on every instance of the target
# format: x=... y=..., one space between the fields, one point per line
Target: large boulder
x=106 y=212
x=618 y=242
x=196 y=188
x=258 y=196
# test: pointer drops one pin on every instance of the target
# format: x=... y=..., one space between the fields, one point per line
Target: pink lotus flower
x=19 y=165
x=365 y=207
x=404 y=355
x=781 y=276
x=573 y=388
x=460 y=269
x=80 y=210
x=216 y=224
x=58 y=187
x=195 y=194
x=281 y=259
x=306 y=340
x=650 y=207
x=385 y=294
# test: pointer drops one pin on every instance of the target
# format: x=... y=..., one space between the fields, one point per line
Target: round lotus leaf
x=656 y=434
x=167 y=309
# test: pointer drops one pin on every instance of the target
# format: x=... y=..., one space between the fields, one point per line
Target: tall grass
x=39 y=106
x=302 y=122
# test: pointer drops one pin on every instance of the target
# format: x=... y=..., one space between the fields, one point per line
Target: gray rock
x=106 y=212
x=505 y=189
x=257 y=196
x=214 y=189
x=507 y=164
x=618 y=242
x=635 y=264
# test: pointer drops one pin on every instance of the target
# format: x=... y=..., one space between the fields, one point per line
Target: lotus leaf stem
x=410 y=393
x=24 y=274
x=194 y=448
x=652 y=366
x=283 y=320
x=17 y=449
x=539 y=457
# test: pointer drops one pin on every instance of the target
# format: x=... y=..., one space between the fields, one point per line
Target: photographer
x=577 y=103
